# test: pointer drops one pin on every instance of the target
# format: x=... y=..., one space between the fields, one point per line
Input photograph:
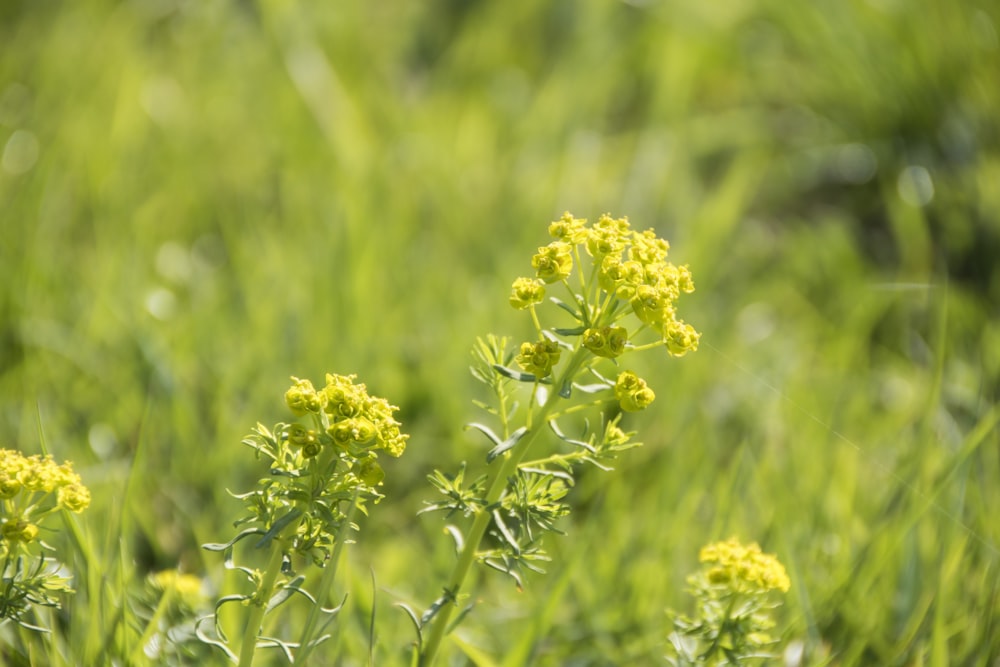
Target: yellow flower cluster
x=22 y=476
x=27 y=485
x=631 y=267
x=744 y=568
x=354 y=417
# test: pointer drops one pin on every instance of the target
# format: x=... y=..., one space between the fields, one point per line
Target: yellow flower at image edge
x=744 y=567
x=19 y=531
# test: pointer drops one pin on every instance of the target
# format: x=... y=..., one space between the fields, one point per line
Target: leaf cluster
x=28 y=582
x=731 y=627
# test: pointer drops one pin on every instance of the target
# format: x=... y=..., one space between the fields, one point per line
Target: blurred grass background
x=200 y=199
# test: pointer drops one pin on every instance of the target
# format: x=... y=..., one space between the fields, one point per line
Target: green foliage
x=733 y=622
x=224 y=193
x=304 y=508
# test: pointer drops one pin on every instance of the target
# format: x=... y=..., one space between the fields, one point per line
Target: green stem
x=482 y=521
x=325 y=583
x=259 y=605
x=579 y=407
x=555 y=459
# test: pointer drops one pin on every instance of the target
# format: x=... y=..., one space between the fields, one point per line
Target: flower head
x=680 y=338
x=744 y=567
x=630 y=269
x=303 y=398
x=538 y=358
x=632 y=392
x=74 y=497
x=526 y=292
x=606 y=342
x=569 y=229
x=18 y=530
x=607 y=237
x=553 y=262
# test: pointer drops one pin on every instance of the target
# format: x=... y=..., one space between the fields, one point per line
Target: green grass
x=225 y=194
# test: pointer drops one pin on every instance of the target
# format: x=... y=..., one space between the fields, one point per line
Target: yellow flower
x=526 y=292
x=74 y=497
x=744 y=568
x=680 y=338
x=538 y=358
x=569 y=229
x=9 y=485
x=19 y=531
x=632 y=392
x=606 y=342
x=354 y=430
x=302 y=397
x=188 y=587
x=343 y=397
x=553 y=262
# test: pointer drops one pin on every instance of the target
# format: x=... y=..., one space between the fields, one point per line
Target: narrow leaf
x=568 y=308
x=485 y=430
x=284 y=593
x=222 y=547
x=506 y=445
x=505 y=531
x=517 y=375
x=456 y=535
x=277 y=527
x=211 y=641
x=565 y=438
x=592 y=388
x=565 y=476
x=415 y=619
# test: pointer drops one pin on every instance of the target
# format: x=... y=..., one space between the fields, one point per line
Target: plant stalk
x=482 y=521
x=325 y=584
x=259 y=606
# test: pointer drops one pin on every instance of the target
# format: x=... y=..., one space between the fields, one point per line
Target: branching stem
x=482 y=521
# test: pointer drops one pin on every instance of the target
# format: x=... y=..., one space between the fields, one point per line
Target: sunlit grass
x=211 y=168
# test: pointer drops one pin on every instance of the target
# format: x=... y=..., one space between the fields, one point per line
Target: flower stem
x=259 y=605
x=325 y=584
x=482 y=521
